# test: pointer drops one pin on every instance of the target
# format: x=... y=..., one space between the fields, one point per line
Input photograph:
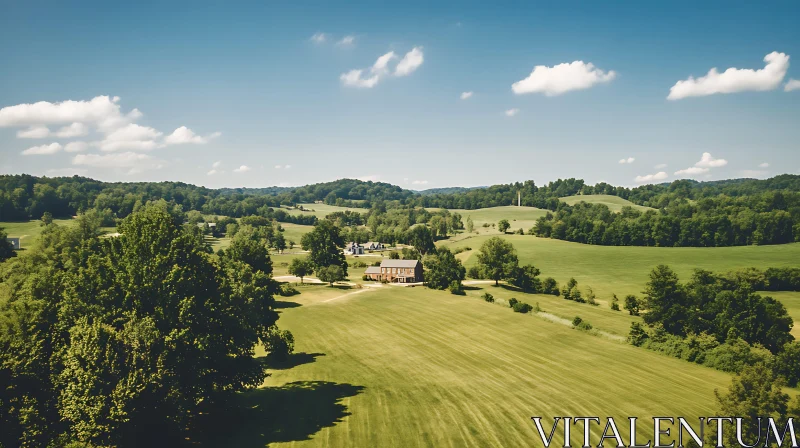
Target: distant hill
x=615 y=203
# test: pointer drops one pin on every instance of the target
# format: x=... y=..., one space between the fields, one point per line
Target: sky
x=418 y=94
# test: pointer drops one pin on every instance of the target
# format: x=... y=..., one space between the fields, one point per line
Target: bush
x=279 y=344
x=591 y=298
x=476 y=273
x=287 y=290
x=512 y=301
x=366 y=278
x=456 y=288
x=632 y=304
x=522 y=307
x=733 y=356
x=577 y=321
x=615 y=303
x=488 y=297
x=638 y=335
x=550 y=286
x=358 y=264
x=581 y=324
x=394 y=255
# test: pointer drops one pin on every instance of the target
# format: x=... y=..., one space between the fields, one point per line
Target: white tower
x=519 y=199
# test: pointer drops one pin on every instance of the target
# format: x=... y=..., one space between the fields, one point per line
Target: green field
x=519 y=217
x=28 y=231
x=407 y=367
x=322 y=210
x=624 y=270
x=615 y=203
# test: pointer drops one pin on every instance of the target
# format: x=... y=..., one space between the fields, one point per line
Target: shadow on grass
x=471 y=288
x=294 y=360
x=290 y=413
x=281 y=304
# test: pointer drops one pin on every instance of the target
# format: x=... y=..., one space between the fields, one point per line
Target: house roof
x=373 y=270
x=399 y=263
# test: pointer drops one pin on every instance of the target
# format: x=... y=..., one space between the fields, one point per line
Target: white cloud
x=512 y=112
x=706 y=161
x=651 y=177
x=216 y=164
x=97 y=110
x=242 y=169
x=132 y=137
x=34 y=132
x=319 y=38
x=562 y=78
x=212 y=172
x=287 y=166
x=419 y=182
x=691 y=171
x=764 y=165
x=793 y=84
x=660 y=166
x=347 y=41
x=628 y=160
x=734 y=80
x=76 y=147
x=379 y=67
x=52 y=148
x=184 y=135
x=466 y=95
x=353 y=79
x=131 y=161
x=410 y=62
x=73 y=130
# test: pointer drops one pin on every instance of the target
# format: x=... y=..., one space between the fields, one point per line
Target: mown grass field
x=321 y=210
x=519 y=217
x=615 y=203
x=791 y=300
x=29 y=231
x=408 y=367
x=624 y=270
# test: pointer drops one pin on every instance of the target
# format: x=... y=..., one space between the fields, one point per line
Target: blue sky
x=247 y=85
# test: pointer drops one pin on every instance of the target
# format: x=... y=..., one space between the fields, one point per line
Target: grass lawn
x=408 y=367
x=29 y=231
x=624 y=270
x=519 y=217
x=615 y=203
x=322 y=210
x=294 y=232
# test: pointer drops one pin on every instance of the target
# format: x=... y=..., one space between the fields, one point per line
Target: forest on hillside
x=686 y=213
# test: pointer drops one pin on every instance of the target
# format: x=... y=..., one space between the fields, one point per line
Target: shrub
x=456 y=288
x=358 y=264
x=638 y=335
x=550 y=286
x=632 y=304
x=537 y=308
x=366 y=278
x=475 y=272
x=279 y=343
x=512 y=301
x=488 y=297
x=394 y=255
x=520 y=232
x=577 y=321
x=581 y=324
x=287 y=290
x=522 y=307
x=615 y=303
x=591 y=298
x=735 y=355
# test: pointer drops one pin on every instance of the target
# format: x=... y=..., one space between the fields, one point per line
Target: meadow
x=624 y=270
x=519 y=217
x=407 y=367
x=321 y=210
x=29 y=231
x=615 y=203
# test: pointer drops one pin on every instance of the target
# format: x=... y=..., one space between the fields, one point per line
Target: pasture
x=29 y=231
x=408 y=367
x=321 y=210
x=624 y=270
x=519 y=217
x=615 y=203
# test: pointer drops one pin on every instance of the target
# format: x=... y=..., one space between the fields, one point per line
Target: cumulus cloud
x=691 y=171
x=216 y=164
x=73 y=130
x=52 y=148
x=660 y=166
x=380 y=69
x=131 y=137
x=184 y=135
x=76 y=147
x=562 y=78
x=707 y=161
x=410 y=62
x=34 y=132
x=319 y=38
x=793 y=84
x=97 y=110
x=734 y=80
x=347 y=41
x=466 y=95
x=242 y=169
x=353 y=78
x=212 y=172
x=764 y=165
x=512 y=112
x=628 y=160
x=661 y=175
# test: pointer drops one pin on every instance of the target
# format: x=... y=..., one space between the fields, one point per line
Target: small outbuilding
x=353 y=249
x=14 y=242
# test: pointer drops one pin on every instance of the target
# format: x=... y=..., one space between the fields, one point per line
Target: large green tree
x=6 y=249
x=498 y=259
x=442 y=268
x=324 y=244
x=249 y=246
x=300 y=267
x=421 y=238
